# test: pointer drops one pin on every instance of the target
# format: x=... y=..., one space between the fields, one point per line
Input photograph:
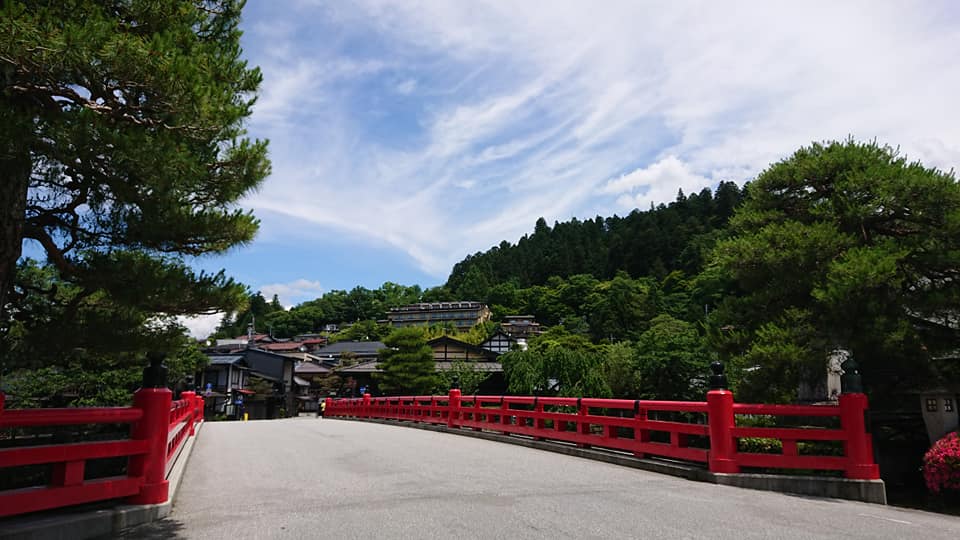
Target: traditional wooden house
x=228 y=379
x=448 y=349
x=447 y=352
x=309 y=376
x=499 y=343
x=521 y=326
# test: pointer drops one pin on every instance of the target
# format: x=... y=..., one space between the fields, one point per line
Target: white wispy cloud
x=292 y=293
x=656 y=183
x=201 y=326
x=406 y=86
x=289 y=295
x=516 y=110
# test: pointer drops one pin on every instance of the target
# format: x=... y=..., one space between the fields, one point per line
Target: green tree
x=555 y=371
x=465 y=374
x=479 y=333
x=407 y=365
x=620 y=371
x=256 y=311
x=121 y=152
x=58 y=322
x=362 y=331
x=82 y=379
x=620 y=308
x=672 y=361
x=557 y=363
x=843 y=244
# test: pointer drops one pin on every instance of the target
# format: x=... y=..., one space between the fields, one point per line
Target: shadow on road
x=164 y=528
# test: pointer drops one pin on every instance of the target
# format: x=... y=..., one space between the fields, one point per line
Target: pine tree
x=844 y=245
x=407 y=365
x=122 y=152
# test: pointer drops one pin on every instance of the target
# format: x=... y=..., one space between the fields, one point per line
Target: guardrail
x=159 y=428
x=700 y=432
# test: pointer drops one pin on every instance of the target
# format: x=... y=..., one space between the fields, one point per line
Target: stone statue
x=835 y=359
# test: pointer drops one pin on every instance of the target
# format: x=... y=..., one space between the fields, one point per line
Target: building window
x=948 y=405
x=931 y=404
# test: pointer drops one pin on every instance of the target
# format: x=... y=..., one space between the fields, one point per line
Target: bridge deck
x=309 y=478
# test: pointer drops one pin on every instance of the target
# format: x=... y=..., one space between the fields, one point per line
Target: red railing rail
x=702 y=432
x=857 y=459
x=159 y=428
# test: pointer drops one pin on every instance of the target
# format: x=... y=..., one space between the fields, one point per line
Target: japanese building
x=461 y=315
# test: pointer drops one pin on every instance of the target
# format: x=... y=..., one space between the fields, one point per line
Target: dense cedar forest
x=644 y=243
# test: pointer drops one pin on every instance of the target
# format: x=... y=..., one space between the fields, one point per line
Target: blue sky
x=405 y=135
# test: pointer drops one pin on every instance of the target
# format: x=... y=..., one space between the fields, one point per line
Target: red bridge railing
x=702 y=432
x=159 y=428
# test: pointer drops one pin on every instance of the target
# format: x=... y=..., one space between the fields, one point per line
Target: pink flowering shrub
x=941 y=464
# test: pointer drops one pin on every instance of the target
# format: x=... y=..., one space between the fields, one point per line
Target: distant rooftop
x=219 y=359
x=437 y=306
x=284 y=346
x=369 y=347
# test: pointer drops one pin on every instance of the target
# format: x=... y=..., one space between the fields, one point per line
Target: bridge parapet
x=700 y=432
x=159 y=429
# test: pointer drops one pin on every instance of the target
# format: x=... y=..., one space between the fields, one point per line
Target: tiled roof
x=257 y=337
x=285 y=346
x=485 y=367
x=374 y=366
x=365 y=367
x=358 y=347
x=437 y=342
x=217 y=359
x=309 y=368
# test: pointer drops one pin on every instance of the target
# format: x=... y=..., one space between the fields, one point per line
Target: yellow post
x=245 y=416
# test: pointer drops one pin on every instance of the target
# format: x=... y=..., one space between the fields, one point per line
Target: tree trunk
x=15 y=171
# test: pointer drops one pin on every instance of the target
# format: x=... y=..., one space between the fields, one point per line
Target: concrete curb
x=870 y=491
x=85 y=524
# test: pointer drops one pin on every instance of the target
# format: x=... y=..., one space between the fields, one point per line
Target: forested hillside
x=644 y=243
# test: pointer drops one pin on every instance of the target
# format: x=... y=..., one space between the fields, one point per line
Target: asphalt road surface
x=311 y=478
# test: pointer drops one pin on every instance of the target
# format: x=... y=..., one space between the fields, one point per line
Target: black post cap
x=155 y=375
x=850 y=381
x=455 y=383
x=718 y=381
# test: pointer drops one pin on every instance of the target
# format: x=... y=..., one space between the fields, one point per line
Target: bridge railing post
x=721 y=421
x=453 y=418
x=365 y=412
x=200 y=404
x=857 y=446
x=154 y=398
x=191 y=398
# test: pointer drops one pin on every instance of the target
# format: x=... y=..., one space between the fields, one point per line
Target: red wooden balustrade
x=704 y=432
x=159 y=428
